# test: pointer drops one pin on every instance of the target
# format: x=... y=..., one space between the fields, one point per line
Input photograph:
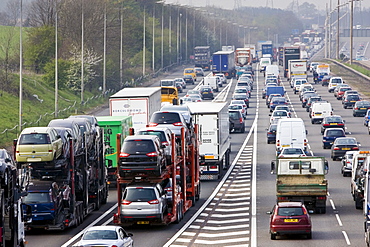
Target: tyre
x=242 y=129
x=309 y=236
x=312 y=121
x=306 y=109
x=273 y=236
x=358 y=203
x=344 y=106
x=268 y=142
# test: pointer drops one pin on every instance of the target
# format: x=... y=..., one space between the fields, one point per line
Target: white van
x=264 y=61
x=319 y=111
x=272 y=70
x=291 y=132
x=213 y=81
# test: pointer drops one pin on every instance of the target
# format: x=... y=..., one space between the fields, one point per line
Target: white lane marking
x=346 y=237
x=225 y=234
x=332 y=204
x=339 y=220
x=66 y=244
x=222 y=241
x=219 y=228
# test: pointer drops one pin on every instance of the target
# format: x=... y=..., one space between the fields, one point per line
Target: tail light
x=278 y=143
x=336 y=148
x=356 y=108
x=123 y=155
x=177 y=124
x=241 y=120
x=305 y=142
x=153 y=201
x=169 y=189
x=269 y=133
x=153 y=124
x=125 y=202
x=152 y=154
x=355 y=148
x=165 y=143
x=326 y=125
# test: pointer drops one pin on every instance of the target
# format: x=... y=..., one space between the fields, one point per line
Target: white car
x=105 y=236
x=223 y=77
x=240 y=108
x=239 y=102
x=278 y=114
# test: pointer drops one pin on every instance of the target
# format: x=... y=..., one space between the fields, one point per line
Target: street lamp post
x=351 y=34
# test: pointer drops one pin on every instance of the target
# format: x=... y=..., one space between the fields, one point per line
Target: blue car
x=330 y=135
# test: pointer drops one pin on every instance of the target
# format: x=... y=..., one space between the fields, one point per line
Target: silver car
x=165 y=136
x=143 y=204
x=105 y=236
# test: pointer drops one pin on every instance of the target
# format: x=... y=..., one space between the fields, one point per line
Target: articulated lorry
x=184 y=189
x=224 y=62
x=297 y=69
x=286 y=54
x=64 y=191
x=202 y=57
x=214 y=137
x=302 y=179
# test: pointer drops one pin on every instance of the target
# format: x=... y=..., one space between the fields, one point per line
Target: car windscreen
x=234 y=115
x=34 y=139
x=139 y=194
x=138 y=146
x=166 y=83
x=100 y=234
x=37 y=197
x=282 y=211
x=335 y=133
x=166 y=118
x=160 y=134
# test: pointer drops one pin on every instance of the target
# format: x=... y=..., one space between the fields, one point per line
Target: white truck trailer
x=214 y=138
x=139 y=102
x=297 y=69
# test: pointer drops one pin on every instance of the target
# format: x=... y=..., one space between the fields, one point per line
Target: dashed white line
x=338 y=219
x=346 y=237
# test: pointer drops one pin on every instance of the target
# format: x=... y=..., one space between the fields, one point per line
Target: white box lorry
x=291 y=132
x=214 y=137
x=297 y=69
x=139 y=102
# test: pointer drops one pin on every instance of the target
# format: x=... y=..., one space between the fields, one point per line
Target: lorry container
x=113 y=125
x=288 y=53
x=243 y=57
x=366 y=207
x=224 y=62
x=302 y=179
x=252 y=48
x=267 y=49
x=297 y=69
x=202 y=57
x=214 y=137
x=138 y=102
x=62 y=193
x=274 y=90
x=185 y=184
x=360 y=164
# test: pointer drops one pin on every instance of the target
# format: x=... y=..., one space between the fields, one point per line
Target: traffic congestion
x=251 y=146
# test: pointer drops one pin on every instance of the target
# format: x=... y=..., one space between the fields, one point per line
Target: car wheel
x=242 y=129
x=312 y=121
x=309 y=236
x=306 y=109
x=273 y=236
x=344 y=106
x=268 y=142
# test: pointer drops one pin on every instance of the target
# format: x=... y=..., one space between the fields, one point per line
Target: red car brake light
x=123 y=155
x=153 y=201
x=177 y=124
x=152 y=154
x=125 y=202
x=153 y=124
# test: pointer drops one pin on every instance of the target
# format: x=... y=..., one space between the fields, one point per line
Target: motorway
x=235 y=215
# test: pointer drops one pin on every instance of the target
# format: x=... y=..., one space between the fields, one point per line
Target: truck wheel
x=320 y=210
x=197 y=194
x=97 y=203
x=178 y=217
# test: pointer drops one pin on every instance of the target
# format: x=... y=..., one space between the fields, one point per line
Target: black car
x=350 y=100
x=236 y=121
x=189 y=79
x=141 y=153
x=343 y=144
x=179 y=87
x=312 y=100
x=271 y=134
x=306 y=97
x=334 y=121
x=360 y=108
x=206 y=92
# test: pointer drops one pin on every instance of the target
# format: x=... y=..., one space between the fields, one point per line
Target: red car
x=290 y=218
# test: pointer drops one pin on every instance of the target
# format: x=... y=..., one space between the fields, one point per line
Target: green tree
x=39 y=47
x=63 y=68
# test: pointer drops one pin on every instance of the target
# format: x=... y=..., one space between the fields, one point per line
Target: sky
x=282 y=4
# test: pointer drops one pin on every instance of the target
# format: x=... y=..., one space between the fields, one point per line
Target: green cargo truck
x=112 y=126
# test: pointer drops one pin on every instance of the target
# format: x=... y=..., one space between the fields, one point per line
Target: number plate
x=143 y=222
x=205 y=93
x=333 y=124
x=285 y=146
x=363 y=108
x=352 y=101
x=346 y=148
x=290 y=220
x=318 y=114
